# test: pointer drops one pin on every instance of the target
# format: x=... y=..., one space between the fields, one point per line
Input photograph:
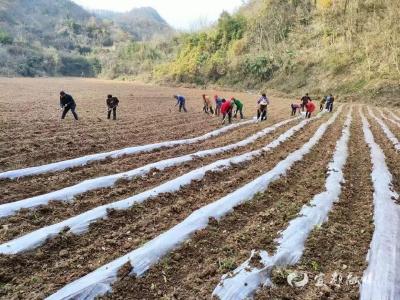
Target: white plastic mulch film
x=247 y=279
x=99 y=282
x=381 y=280
x=389 y=134
x=68 y=193
x=393 y=115
x=84 y=160
x=393 y=121
x=80 y=223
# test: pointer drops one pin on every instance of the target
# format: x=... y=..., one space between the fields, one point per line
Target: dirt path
x=341 y=244
x=225 y=244
x=69 y=257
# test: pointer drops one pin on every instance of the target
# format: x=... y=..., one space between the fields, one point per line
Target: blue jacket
x=181 y=99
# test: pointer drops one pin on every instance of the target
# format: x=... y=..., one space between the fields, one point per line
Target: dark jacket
x=67 y=100
x=305 y=99
x=112 y=102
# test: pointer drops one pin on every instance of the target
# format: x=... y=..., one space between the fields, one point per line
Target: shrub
x=5 y=38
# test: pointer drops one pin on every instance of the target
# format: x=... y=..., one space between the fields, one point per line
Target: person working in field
x=263 y=103
x=218 y=105
x=329 y=103
x=181 y=101
x=112 y=104
x=322 y=103
x=310 y=106
x=67 y=103
x=295 y=107
x=304 y=101
x=239 y=107
x=226 y=110
x=207 y=105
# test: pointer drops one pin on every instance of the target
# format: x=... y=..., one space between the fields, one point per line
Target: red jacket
x=310 y=107
x=226 y=107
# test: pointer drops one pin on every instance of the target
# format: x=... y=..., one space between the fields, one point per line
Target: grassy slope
x=351 y=48
x=353 y=51
x=58 y=37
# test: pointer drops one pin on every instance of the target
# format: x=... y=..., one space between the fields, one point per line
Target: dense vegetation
x=350 y=47
x=58 y=37
x=143 y=23
x=347 y=46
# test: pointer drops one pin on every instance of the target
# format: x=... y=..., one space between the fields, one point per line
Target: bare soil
x=224 y=245
x=32 y=134
x=340 y=245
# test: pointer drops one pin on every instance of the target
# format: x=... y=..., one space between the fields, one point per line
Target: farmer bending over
x=310 y=109
x=226 y=110
x=207 y=105
x=181 y=101
x=112 y=103
x=239 y=107
x=67 y=103
x=295 y=107
x=323 y=103
x=218 y=104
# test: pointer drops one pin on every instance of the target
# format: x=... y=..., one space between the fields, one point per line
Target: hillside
x=142 y=23
x=58 y=37
x=350 y=48
x=347 y=47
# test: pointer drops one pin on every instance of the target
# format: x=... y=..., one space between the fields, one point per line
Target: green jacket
x=238 y=104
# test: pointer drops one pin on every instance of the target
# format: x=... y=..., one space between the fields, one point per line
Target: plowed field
x=283 y=209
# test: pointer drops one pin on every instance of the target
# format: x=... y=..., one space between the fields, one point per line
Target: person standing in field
x=304 y=101
x=329 y=103
x=181 y=101
x=239 y=107
x=226 y=110
x=207 y=105
x=67 y=103
x=310 y=106
x=112 y=104
x=263 y=103
x=218 y=104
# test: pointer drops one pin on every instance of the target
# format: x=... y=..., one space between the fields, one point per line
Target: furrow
x=389 y=134
x=28 y=220
x=125 y=230
x=248 y=277
x=62 y=165
x=69 y=193
x=381 y=279
x=219 y=247
x=80 y=223
x=98 y=282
